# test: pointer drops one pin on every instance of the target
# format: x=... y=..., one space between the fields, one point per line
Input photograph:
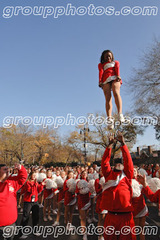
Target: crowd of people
x=105 y=195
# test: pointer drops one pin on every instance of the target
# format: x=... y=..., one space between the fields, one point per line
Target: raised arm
x=127 y=160
x=21 y=178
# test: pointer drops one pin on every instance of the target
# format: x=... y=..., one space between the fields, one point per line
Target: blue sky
x=49 y=66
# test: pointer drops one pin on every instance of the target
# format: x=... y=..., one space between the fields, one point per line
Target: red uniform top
x=139 y=206
x=98 y=188
x=153 y=197
x=83 y=199
x=117 y=192
x=108 y=71
x=8 y=197
x=61 y=194
x=154 y=173
x=68 y=196
x=31 y=188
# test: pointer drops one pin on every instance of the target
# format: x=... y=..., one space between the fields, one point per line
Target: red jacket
x=108 y=71
x=117 y=192
x=8 y=197
x=31 y=188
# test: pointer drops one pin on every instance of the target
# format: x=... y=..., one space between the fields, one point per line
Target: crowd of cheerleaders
x=80 y=188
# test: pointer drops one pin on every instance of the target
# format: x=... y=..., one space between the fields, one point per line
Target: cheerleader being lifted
x=109 y=79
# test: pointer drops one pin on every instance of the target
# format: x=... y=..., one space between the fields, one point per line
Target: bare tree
x=145 y=84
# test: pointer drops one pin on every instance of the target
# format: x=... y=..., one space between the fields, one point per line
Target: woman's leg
x=83 y=218
x=142 y=224
x=35 y=214
x=44 y=208
x=59 y=211
x=71 y=213
x=107 y=93
x=26 y=213
x=116 y=92
x=66 y=213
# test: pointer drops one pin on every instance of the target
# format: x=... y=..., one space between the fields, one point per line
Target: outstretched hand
x=17 y=166
x=120 y=137
x=142 y=179
x=111 y=140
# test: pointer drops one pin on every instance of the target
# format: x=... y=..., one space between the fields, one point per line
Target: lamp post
x=83 y=131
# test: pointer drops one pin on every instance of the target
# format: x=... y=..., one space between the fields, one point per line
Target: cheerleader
x=69 y=198
x=83 y=195
x=31 y=190
x=91 y=178
x=109 y=79
x=60 y=181
x=152 y=191
x=99 y=183
x=48 y=195
x=140 y=210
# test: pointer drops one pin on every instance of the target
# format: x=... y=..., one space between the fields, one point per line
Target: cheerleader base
x=118 y=221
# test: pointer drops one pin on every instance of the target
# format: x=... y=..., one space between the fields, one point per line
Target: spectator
x=8 y=197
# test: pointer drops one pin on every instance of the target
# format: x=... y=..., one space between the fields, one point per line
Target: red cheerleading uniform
x=31 y=188
x=153 y=197
x=49 y=193
x=60 y=195
x=139 y=206
x=98 y=189
x=8 y=197
x=108 y=71
x=83 y=199
x=117 y=195
x=69 y=197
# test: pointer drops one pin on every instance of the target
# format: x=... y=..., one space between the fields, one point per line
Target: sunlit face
x=91 y=170
x=135 y=173
x=119 y=166
x=63 y=174
x=57 y=172
x=49 y=174
x=108 y=57
x=157 y=167
x=3 y=172
x=70 y=175
x=84 y=175
x=33 y=177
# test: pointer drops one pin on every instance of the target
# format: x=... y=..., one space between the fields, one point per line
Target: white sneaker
x=49 y=218
x=94 y=220
x=41 y=205
x=110 y=123
x=23 y=237
x=85 y=236
x=121 y=118
x=45 y=219
x=100 y=238
x=55 y=212
x=55 y=224
x=37 y=234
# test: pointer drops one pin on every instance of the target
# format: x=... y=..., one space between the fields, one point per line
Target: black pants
x=27 y=207
x=11 y=232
